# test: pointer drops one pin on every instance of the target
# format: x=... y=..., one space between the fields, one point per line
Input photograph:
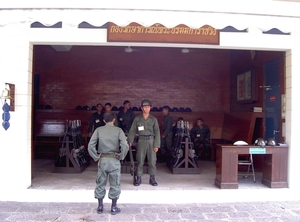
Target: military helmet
x=146 y=102
x=271 y=142
x=260 y=142
x=78 y=107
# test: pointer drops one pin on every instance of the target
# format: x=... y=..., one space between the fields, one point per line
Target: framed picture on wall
x=245 y=87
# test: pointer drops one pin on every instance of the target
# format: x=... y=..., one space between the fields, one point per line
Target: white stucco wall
x=16 y=68
x=293 y=110
x=16 y=40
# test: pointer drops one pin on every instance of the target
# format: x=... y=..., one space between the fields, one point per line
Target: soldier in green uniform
x=167 y=134
x=126 y=117
x=112 y=147
x=200 y=134
x=146 y=126
x=96 y=119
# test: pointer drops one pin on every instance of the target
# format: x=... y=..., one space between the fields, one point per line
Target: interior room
x=203 y=80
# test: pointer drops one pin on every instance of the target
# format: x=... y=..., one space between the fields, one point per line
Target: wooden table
x=274 y=165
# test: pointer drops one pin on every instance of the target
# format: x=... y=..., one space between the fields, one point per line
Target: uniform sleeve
x=92 y=149
x=156 y=134
x=123 y=145
x=132 y=117
x=132 y=131
x=208 y=132
x=91 y=123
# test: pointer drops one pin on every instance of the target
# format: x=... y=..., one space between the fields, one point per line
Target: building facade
x=18 y=38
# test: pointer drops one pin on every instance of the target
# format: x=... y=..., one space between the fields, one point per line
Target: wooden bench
x=47 y=137
x=49 y=128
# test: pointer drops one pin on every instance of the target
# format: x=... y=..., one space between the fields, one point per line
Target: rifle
x=132 y=165
x=192 y=154
x=78 y=151
x=178 y=152
x=82 y=153
x=61 y=161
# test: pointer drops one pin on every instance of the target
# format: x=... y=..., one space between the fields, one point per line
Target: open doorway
x=203 y=80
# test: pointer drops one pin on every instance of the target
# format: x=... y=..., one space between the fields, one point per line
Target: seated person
x=200 y=134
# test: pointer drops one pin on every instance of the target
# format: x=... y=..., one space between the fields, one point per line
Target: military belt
x=109 y=155
x=146 y=137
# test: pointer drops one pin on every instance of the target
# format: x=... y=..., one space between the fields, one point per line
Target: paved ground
x=254 y=211
x=70 y=197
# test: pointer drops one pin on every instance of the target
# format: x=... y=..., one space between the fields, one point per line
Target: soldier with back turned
x=108 y=145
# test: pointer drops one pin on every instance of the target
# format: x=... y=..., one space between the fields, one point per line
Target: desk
x=274 y=166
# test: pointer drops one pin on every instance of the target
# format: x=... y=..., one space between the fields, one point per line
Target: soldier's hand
x=117 y=156
x=155 y=149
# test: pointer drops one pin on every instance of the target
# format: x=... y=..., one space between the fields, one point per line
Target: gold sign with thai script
x=135 y=32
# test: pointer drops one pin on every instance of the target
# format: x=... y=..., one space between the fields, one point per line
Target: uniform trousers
x=109 y=167
x=166 y=144
x=145 y=148
x=206 y=146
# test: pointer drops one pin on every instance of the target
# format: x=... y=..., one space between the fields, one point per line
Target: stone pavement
x=288 y=211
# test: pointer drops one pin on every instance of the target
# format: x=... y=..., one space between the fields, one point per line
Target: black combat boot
x=114 y=208
x=138 y=181
x=152 y=180
x=100 y=206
